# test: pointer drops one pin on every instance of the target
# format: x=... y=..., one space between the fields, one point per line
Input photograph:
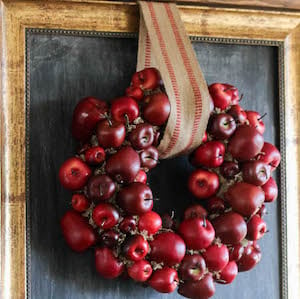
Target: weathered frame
x=281 y=29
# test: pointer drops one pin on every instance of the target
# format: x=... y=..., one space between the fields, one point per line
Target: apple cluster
x=112 y=202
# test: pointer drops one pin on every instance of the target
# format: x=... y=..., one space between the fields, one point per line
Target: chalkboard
x=61 y=69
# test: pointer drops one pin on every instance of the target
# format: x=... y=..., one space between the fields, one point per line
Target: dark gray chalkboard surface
x=61 y=70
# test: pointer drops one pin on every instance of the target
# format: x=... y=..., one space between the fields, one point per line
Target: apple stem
x=126 y=120
x=172 y=214
x=155 y=198
x=229 y=122
x=230 y=88
x=262 y=116
x=149 y=157
x=241 y=97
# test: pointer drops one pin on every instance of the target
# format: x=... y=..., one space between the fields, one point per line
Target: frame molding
x=205 y=23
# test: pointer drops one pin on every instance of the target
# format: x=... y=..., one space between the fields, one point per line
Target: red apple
x=269 y=155
x=78 y=234
x=256 y=173
x=192 y=267
x=229 y=169
x=255 y=120
x=245 y=143
x=80 y=203
x=107 y=265
x=105 y=215
x=100 y=187
x=197 y=233
x=216 y=257
x=149 y=157
x=229 y=273
x=223 y=95
x=146 y=79
x=140 y=271
x=142 y=136
x=124 y=165
x=203 y=183
x=124 y=109
x=87 y=113
x=164 y=280
x=74 y=174
x=167 y=247
x=135 y=92
x=215 y=205
x=270 y=189
x=157 y=109
x=237 y=112
x=245 y=198
x=256 y=228
x=135 y=199
x=150 y=222
x=94 y=155
x=135 y=248
x=195 y=211
x=230 y=227
x=250 y=258
x=110 y=133
x=141 y=177
x=210 y=154
x=222 y=126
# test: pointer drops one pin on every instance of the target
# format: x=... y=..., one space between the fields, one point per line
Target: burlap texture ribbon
x=164 y=44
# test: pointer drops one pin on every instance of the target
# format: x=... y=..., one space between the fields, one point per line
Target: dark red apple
x=195 y=211
x=135 y=199
x=80 y=203
x=74 y=174
x=128 y=224
x=250 y=258
x=164 y=280
x=134 y=92
x=210 y=154
x=245 y=198
x=256 y=172
x=149 y=157
x=124 y=165
x=230 y=227
x=197 y=233
x=203 y=183
x=142 y=136
x=235 y=252
x=201 y=289
x=157 y=109
x=222 y=126
x=270 y=189
x=109 y=238
x=229 y=169
x=110 y=133
x=78 y=234
x=107 y=265
x=192 y=267
x=88 y=112
x=124 y=109
x=167 y=247
x=100 y=187
x=245 y=143
x=94 y=155
x=216 y=257
x=215 y=205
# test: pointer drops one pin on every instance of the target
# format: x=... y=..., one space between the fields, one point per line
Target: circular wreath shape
x=112 y=203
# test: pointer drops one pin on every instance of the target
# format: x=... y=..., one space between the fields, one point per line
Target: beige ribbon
x=164 y=44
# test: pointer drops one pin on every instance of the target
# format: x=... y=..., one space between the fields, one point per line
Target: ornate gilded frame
x=224 y=25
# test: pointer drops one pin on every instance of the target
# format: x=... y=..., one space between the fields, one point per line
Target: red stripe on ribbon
x=191 y=76
x=147 y=52
x=176 y=133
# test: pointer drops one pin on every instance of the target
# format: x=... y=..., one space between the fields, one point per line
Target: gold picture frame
x=274 y=28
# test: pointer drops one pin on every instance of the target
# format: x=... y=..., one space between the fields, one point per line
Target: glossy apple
x=164 y=280
x=78 y=234
x=141 y=177
x=192 y=267
x=222 y=126
x=105 y=215
x=270 y=189
x=203 y=183
x=195 y=211
x=110 y=133
x=229 y=273
x=215 y=205
x=216 y=257
x=245 y=198
x=256 y=228
x=140 y=271
x=80 y=203
x=245 y=143
x=149 y=157
x=256 y=172
x=250 y=258
x=167 y=247
x=134 y=92
x=124 y=109
x=109 y=238
x=270 y=155
x=142 y=136
x=88 y=112
x=135 y=248
x=74 y=174
x=229 y=169
x=150 y=222
x=124 y=165
x=223 y=95
x=146 y=79
x=94 y=155
x=107 y=265
x=210 y=155
x=157 y=109
x=135 y=199
x=230 y=227
x=255 y=120
x=237 y=112
x=100 y=187
x=197 y=233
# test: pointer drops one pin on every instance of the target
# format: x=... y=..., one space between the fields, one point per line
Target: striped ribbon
x=164 y=44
